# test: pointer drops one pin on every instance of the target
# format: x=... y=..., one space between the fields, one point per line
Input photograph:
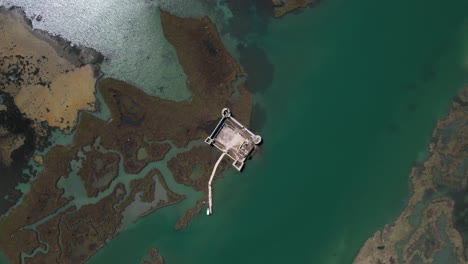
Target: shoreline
x=34 y=67
x=134 y=120
x=435 y=194
x=78 y=55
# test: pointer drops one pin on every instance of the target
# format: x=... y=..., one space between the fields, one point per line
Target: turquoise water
x=3 y=259
x=355 y=94
x=127 y=32
x=356 y=91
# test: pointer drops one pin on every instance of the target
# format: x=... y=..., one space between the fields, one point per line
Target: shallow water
x=3 y=259
x=127 y=32
x=355 y=93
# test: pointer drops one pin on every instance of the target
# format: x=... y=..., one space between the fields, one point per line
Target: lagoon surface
x=355 y=94
x=352 y=97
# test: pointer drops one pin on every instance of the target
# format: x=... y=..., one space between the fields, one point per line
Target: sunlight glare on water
x=127 y=32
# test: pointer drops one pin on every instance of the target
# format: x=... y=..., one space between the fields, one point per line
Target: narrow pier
x=233 y=140
x=210 y=201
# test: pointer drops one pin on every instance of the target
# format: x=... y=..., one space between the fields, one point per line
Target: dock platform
x=233 y=140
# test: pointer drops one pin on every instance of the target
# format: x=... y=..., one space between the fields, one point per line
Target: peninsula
x=84 y=192
x=57 y=223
